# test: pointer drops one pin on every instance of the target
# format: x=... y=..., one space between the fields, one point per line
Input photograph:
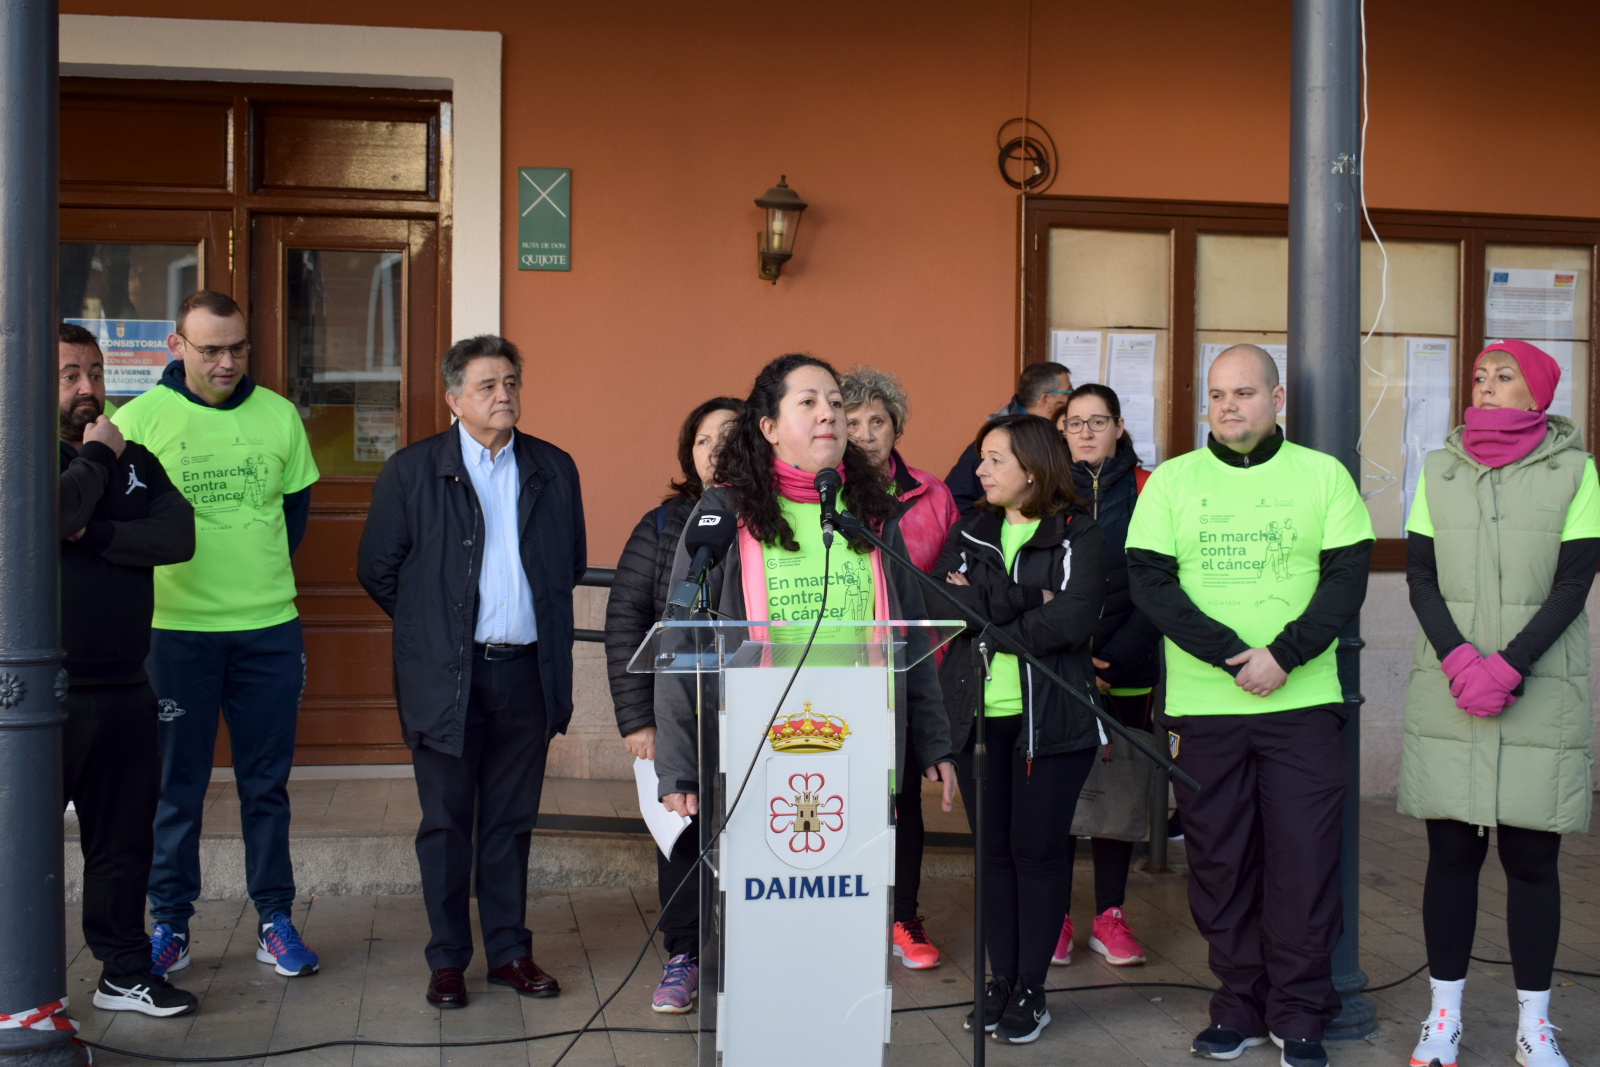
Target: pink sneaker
x=1063 y=953
x=1111 y=938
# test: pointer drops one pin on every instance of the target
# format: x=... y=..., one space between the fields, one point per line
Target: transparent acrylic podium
x=796 y=899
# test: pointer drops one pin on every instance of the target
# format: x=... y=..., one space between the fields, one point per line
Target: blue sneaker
x=280 y=945
x=169 y=950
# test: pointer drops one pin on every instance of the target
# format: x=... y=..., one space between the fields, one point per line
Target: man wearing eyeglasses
x=226 y=633
x=1041 y=390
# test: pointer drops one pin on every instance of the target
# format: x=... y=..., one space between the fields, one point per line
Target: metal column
x=32 y=945
x=1324 y=360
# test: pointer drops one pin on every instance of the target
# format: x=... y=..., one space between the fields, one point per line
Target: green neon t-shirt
x=794 y=579
x=1583 y=514
x=1248 y=541
x=1002 y=695
x=234 y=467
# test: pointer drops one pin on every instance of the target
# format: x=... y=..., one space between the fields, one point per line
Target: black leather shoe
x=526 y=978
x=447 y=988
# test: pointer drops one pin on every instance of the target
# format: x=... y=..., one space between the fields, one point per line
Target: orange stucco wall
x=882 y=113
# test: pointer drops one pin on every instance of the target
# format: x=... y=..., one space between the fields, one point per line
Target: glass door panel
x=344 y=342
x=1541 y=294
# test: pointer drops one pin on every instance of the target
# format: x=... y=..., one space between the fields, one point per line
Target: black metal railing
x=600 y=577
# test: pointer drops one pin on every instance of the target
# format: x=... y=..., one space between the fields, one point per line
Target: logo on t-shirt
x=133 y=482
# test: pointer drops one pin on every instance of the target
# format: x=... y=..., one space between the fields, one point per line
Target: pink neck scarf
x=796 y=485
x=1498 y=436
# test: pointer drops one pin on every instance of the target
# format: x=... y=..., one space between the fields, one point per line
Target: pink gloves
x=1481 y=686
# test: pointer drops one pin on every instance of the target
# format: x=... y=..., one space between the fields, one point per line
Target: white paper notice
x=1131 y=366
x=665 y=826
x=1209 y=354
x=1427 y=408
x=1079 y=352
x=377 y=432
x=1529 y=303
x=1139 y=420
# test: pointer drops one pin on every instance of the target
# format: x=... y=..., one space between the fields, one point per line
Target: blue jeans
x=256 y=677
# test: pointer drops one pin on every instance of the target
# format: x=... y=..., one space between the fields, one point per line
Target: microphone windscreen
x=710 y=529
x=828 y=481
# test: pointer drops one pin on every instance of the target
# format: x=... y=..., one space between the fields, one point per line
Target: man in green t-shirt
x=226 y=633
x=1250 y=555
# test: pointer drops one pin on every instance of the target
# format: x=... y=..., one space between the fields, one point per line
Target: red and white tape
x=45 y=1018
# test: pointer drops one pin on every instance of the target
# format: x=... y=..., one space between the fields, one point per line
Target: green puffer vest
x=1497 y=533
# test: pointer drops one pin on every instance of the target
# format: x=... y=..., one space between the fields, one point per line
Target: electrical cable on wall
x=1359 y=171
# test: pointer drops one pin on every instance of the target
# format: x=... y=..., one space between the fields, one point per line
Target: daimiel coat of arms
x=808 y=788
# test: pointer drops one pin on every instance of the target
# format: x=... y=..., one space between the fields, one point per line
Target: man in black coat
x=120 y=518
x=473 y=545
x=1041 y=390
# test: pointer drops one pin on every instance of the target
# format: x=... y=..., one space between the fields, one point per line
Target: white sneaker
x=1441 y=1037
x=1538 y=1048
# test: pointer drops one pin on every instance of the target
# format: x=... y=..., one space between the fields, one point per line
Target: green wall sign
x=544 y=218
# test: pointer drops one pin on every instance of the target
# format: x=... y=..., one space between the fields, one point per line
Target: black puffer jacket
x=638 y=599
x=1065 y=557
x=1126 y=638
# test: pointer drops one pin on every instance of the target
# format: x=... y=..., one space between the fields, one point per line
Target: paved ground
x=374 y=977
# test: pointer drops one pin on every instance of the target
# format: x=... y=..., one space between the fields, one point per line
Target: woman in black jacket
x=638 y=598
x=1030 y=559
x=1107 y=476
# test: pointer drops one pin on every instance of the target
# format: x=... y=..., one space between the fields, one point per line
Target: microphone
x=708 y=539
x=828 y=484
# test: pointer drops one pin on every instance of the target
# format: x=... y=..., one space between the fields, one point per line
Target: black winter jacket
x=1065 y=556
x=638 y=599
x=419 y=559
x=1126 y=638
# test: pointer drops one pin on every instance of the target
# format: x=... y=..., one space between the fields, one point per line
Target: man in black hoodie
x=120 y=518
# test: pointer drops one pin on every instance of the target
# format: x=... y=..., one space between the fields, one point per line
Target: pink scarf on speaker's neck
x=1496 y=437
x=796 y=485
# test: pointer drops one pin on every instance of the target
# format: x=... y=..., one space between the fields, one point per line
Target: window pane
x=345 y=345
x=1241 y=296
x=1540 y=294
x=1109 y=322
x=127 y=295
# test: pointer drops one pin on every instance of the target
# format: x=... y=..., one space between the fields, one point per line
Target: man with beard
x=120 y=517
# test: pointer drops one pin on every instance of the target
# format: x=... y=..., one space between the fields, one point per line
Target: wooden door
x=343 y=324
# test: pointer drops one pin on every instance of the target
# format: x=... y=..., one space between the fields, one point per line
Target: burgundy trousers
x=1262 y=837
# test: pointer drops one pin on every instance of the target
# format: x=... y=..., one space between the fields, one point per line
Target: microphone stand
x=980 y=780
x=854 y=527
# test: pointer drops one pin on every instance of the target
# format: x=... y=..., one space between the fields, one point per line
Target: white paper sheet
x=1529 y=303
x=1079 y=352
x=1209 y=354
x=1131 y=366
x=1139 y=420
x=665 y=826
x=1428 y=413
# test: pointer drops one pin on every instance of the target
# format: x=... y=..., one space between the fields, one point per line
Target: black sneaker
x=996 y=995
x=1222 y=1043
x=149 y=993
x=1025 y=1017
x=1298 y=1053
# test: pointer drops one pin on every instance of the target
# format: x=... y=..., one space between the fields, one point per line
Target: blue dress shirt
x=505 y=602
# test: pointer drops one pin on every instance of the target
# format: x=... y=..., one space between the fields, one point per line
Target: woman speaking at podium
x=792 y=427
x=1031 y=560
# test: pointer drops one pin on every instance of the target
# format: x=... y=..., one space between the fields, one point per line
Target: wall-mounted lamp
x=775 y=243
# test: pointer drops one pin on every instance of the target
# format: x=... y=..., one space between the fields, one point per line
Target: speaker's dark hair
x=745 y=463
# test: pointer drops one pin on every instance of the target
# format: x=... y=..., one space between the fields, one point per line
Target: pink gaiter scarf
x=800 y=487
x=1498 y=436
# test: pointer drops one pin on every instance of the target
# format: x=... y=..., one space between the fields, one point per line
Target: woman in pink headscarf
x=1503 y=541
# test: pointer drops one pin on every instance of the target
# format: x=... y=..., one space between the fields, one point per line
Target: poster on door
x=134 y=350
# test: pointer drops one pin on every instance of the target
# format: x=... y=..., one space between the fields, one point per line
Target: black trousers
x=1027 y=847
x=1263 y=836
x=500 y=772
x=111 y=770
x=908 y=837
x=1456 y=853
x=680 y=919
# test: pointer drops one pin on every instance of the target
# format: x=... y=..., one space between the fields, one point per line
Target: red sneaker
x=911 y=944
x=1063 y=954
x=1111 y=938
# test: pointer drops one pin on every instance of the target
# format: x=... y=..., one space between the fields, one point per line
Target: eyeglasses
x=1097 y=423
x=1056 y=392
x=212 y=353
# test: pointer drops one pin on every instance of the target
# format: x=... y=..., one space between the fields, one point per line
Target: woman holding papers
x=791 y=428
x=1030 y=559
x=638 y=598
x=1503 y=541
